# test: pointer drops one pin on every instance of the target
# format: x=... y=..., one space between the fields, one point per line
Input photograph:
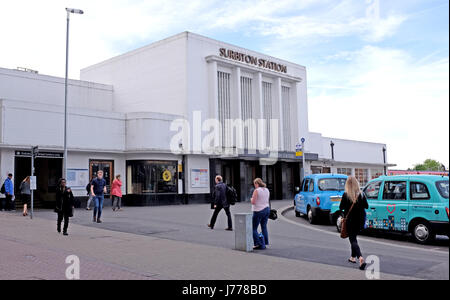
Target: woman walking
x=354 y=204
x=116 y=192
x=25 y=194
x=64 y=205
x=261 y=212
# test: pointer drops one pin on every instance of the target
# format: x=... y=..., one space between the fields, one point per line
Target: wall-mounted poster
x=77 y=178
x=199 y=178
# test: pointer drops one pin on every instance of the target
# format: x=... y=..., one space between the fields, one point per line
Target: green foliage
x=429 y=165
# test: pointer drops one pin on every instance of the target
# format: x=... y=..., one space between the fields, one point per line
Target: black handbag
x=273 y=215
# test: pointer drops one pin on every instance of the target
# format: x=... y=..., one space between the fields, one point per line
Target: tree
x=429 y=165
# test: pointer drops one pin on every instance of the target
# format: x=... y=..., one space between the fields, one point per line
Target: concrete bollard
x=243 y=232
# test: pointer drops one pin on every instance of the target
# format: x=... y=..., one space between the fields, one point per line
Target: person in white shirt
x=261 y=212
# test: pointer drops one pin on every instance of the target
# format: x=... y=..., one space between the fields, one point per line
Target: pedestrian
x=261 y=211
x=116 y=192
x=9 y=193
x=90 y=197
x=98 y=191
x=353 y=204
x=25 y=194
x=220 y=202
x=64 y=205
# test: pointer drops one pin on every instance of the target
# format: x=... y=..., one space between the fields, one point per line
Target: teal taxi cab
x=416 y=204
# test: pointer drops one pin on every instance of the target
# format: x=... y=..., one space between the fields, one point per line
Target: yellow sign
x=180 y=168
x=167 y=176
x=299 y=153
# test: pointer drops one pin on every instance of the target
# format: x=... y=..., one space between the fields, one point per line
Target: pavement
x=173 y=242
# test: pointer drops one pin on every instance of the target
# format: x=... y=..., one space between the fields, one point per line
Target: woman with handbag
x=64 y=205
x=25 y=194
x=353 y=204
x=261 y=213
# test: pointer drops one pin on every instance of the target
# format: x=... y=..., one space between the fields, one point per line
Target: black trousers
x=8 y=202
x=62 y=216
x=216 y=213
x=356 y=252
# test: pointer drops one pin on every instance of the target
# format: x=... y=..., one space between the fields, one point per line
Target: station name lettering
x=253 y=60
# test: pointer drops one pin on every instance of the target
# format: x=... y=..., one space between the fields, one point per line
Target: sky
x=378 y=70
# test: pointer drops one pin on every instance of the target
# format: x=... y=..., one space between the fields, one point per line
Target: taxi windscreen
x=332 y=184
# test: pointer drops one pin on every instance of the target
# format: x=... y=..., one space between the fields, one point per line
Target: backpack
x=3 y=190
x=231 y=195
x=88 y=188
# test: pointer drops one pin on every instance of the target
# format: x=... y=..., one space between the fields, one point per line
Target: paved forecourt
x=36 y=251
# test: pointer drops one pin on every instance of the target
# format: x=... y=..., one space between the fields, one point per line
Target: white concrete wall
x=149 y=131
x=202 y=89
x=149 y=79
x=26 y=124
x=36 y=88
x=354 y=151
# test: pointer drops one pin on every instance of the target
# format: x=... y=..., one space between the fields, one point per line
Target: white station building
x=124 y=117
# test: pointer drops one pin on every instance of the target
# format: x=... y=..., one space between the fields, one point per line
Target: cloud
x=384 y=95
x=33 y=32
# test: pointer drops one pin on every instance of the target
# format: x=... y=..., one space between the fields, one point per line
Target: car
x=316 y=195
x=415 y=204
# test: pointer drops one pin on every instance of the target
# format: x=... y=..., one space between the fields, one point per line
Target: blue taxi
x=416 y=204
x=316 y=195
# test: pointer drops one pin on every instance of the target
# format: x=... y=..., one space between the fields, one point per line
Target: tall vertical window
x=344 y=171
x=223 y=81
x=267 y=103
x=362 y=175
x=285 y=98
x=246 y=108
x=375 y=173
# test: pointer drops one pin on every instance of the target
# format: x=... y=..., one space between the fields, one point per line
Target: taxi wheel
x=421 y=232
x=311 y=218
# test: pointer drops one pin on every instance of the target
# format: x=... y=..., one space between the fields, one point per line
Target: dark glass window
x=419 y=191
x=305 y=187
x=394 y=190
x=311 y=185
x=152 y=177
x=442 y=187
x=372 y=190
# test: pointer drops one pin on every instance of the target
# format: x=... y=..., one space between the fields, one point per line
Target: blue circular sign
x=303 y=140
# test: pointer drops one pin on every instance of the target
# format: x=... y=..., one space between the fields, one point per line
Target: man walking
x=220 y=201
x=9 y=193
x=98 y=191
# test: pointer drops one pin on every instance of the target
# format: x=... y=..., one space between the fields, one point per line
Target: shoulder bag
x=344 y=233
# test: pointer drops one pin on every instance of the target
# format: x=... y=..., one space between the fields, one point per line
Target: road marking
x=335 y=234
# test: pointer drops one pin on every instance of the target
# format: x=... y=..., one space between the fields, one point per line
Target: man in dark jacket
x=220 y=201
x=64 y=205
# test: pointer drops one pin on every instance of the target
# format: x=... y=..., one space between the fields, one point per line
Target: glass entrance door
x=107 y=166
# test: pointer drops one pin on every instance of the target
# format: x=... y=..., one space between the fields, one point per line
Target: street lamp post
x=69 y=11
x=332 y=150
x=384 y=161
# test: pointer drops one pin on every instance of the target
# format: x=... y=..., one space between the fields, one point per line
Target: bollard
x=243 y=232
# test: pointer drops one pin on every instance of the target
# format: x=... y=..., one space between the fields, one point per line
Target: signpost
x=300 y=152
x=33 y=183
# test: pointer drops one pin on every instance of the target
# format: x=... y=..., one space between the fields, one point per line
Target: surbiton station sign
x=253 y=60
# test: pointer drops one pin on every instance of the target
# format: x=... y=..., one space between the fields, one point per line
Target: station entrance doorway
x=48 y=170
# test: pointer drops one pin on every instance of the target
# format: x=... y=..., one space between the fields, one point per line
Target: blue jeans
x=98 y=200
x=261 y=218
